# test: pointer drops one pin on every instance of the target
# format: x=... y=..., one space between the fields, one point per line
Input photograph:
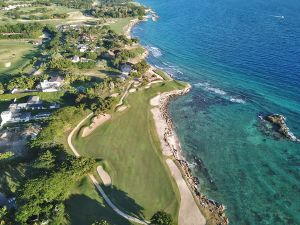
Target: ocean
x=242 y=59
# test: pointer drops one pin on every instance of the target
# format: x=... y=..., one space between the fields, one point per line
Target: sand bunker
x=132 y=90
x=104 y=176
x=189 y=213
x=97 y=121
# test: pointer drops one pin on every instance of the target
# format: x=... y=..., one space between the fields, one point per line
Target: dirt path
x=189 y=213
x=96 y=183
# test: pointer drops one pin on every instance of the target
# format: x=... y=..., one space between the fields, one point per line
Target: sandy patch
x=8 y=64
x=155 y=101
x=132 y=90
x=189 y=213
x=104 y=176
x=97 y=121
x=114 y=95
x=122 y=108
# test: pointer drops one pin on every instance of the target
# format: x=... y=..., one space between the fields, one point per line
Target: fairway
x=119 y=25
x=131 y=150
x=17 y=53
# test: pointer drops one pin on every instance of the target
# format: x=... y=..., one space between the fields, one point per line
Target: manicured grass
x=119 y=25
x=18 y=53
x=85 y=206
x=130 y=147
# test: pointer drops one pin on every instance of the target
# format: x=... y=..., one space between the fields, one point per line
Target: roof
x=33 y=100
x=56 y=79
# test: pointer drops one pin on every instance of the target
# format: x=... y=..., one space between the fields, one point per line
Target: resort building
x=52 y=85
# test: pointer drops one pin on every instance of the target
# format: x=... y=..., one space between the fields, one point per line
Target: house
x=82 y=47
x=14 y=117
x=75 y=59
x=52 y=85
x=126 y=69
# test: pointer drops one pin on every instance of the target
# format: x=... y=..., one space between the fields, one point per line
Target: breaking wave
x=208 y=87
x=156 y=52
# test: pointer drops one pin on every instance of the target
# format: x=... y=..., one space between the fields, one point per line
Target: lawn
x=119 y=25
x=94 y=208
x=131 y=150
x=18 y=53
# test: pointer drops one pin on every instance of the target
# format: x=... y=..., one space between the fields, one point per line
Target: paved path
x=96 y=183
x=189 y=213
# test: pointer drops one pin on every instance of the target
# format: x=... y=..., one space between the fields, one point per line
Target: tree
x=6 y=155
x=161 y=218
x=1 y=88
x=101 y=222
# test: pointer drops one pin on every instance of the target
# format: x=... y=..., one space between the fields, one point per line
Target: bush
x=161 y=218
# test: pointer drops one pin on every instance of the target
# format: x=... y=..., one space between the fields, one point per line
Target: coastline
x=213 y=211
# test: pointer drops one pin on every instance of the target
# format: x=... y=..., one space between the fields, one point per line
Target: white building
x=14 y=117
x=75 y=59
x=52 y=85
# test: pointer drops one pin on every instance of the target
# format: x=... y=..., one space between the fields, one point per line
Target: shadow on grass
x=83 y=210
x=110 y=73
x=124 y=202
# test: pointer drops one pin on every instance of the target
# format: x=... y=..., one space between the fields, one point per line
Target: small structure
x=75 y=59
x=14 y=117
x=52 y=85
x=126 y=69
x=82 y=47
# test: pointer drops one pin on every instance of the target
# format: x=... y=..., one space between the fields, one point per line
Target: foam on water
x=156 y=52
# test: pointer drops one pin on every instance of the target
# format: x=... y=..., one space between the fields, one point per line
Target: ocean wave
x=156 y=52
x=215 y=90
x=237 y=100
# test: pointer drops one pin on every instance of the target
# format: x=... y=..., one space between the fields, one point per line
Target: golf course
x=130 y=152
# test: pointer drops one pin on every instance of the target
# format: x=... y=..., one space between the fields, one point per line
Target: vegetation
x=161 y=218
x=117 y=10
x=21 y=30
x=6 y=155
x=126 y=142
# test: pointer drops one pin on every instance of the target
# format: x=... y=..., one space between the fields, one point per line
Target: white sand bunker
x=132 y=90
x=122 y=108
x=104 y=176
x=7 y=64
x=189 y=213
x=97 y=121
x=155 y=101
x=114 y=95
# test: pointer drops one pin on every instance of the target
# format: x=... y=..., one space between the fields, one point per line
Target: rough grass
x=19 y=53
x=130 y=147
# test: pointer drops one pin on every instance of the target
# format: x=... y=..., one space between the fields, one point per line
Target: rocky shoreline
x=280 y=126
x=214 y=211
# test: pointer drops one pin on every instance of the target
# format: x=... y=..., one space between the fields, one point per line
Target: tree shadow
x=83 y=210
x=110 y=73
x=124 y=202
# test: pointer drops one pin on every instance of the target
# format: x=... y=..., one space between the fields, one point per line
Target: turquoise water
x=243 y=59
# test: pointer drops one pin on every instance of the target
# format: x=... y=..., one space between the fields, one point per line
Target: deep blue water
x=243 y=59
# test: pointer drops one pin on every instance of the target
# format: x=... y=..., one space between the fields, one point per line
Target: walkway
x=96 y=183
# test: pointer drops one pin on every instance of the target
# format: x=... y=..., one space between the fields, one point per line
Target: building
x=52 y=85
x=14 y=117
x=75 y=59
x=125 y=69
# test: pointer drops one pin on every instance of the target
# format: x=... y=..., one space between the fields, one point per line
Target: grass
x=130 y=147
x=119 y=25
x=18 y=53
x=95 y=209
